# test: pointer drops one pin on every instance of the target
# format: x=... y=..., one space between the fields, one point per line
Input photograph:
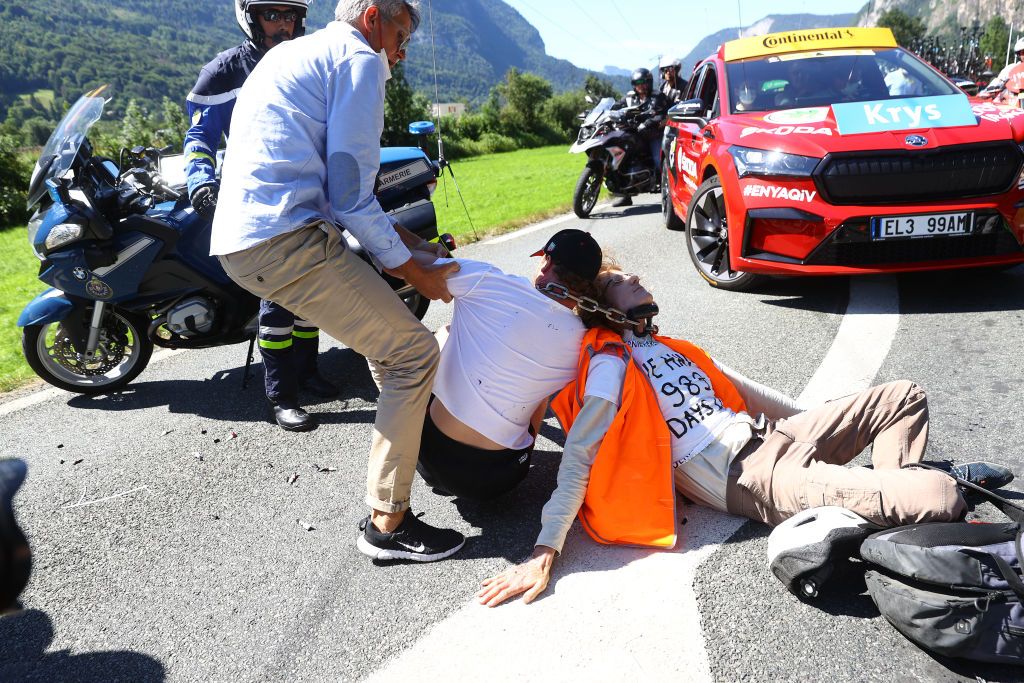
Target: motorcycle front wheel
x=588 y=187
x=123 y=352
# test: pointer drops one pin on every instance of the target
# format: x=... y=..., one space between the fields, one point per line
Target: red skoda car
x=836 y=152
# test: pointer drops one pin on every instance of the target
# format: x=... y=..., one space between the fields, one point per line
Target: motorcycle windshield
x=604 y=105
x=60 y=150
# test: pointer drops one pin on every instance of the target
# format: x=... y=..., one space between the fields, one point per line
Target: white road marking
x=613 y=613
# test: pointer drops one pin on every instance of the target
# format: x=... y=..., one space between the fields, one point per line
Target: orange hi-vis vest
x=630 y=496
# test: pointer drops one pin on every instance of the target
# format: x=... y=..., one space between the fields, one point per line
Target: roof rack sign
x=810 y=39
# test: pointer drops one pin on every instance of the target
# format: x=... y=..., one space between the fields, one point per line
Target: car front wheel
x=668 y=214
x=707 y=238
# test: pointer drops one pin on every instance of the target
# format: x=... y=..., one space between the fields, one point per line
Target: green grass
x=18 y=286
x=502 y=191
x=508 y=190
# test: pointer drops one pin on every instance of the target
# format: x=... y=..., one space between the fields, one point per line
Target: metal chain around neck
x=584 y=303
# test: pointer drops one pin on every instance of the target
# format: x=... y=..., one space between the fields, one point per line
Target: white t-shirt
x=510 y=347
x=694 y=415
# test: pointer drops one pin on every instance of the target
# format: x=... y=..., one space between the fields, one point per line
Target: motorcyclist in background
x=652 y=109
x=672 y=85
x=288 y=346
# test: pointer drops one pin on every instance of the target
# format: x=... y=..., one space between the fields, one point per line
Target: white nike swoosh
x=418 y=548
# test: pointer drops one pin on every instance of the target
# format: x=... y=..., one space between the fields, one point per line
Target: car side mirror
x=688 y=111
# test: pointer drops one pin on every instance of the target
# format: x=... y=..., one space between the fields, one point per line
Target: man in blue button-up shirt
x=300 y=166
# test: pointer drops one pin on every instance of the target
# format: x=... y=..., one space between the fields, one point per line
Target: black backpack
x=954 y=589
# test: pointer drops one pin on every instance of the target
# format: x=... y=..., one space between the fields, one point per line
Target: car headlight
x=766 y=162
x=61 y=234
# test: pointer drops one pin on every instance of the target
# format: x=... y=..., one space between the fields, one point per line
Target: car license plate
x=927 y=225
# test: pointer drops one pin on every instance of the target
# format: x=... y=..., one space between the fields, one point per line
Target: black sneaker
x=413 y=540
x=622 y=200
x=987 y=475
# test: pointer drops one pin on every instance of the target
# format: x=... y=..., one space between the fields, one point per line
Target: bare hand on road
x=530 y=577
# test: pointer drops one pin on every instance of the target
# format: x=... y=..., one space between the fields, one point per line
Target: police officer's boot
x=289 y=415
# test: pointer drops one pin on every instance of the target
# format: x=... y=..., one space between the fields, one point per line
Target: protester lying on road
x=508 y=349
x=647 y=412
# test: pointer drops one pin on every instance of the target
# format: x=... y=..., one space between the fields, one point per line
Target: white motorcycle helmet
x=667 y=61
x=803 y=550
x=250 y=25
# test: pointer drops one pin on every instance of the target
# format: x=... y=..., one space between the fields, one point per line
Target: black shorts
x=456 y=469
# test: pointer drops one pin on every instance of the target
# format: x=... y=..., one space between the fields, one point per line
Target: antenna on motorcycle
x=443 y=163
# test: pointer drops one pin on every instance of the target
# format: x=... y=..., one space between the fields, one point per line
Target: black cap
x=575 y=250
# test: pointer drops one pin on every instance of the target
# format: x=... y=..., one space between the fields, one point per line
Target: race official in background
x=301 y=169
x=288 y=346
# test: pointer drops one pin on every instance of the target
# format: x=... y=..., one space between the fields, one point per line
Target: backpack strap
x=1011 y=577
x=1012 y=510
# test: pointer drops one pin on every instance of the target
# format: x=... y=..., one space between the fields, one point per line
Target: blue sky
x=630 y=33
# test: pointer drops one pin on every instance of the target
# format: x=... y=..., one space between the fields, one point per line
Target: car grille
x=849 y=246
x=888 y=177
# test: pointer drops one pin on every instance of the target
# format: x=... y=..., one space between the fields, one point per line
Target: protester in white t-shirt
x=767 y=462
x=508 y=349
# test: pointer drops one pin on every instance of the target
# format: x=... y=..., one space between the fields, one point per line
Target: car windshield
x=809 y=79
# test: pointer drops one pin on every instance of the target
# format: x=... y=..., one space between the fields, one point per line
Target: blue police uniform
x=289 y=346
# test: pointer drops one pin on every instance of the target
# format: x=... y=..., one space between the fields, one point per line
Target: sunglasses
x=403 y=43
x=275 y=15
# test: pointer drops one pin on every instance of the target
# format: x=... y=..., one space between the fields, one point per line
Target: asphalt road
x=168 y=549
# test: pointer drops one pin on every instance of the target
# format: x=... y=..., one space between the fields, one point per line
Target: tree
x=906 y=29
x=174 y=124
x=993 y=42
x=14 y=175
x=599 y=88
x=561 y=111
x=524 y=95
x=402 y=106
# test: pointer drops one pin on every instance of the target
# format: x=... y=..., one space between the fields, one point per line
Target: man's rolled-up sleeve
x=355 y=113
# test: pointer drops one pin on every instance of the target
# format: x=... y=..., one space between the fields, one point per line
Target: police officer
x=652 y=106
x=288 y=346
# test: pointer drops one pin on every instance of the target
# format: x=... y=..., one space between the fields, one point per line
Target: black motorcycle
x=127 y=258
x=616 y=155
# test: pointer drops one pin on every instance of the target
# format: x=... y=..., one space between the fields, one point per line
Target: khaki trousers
x=800 y=463
x=311 y=272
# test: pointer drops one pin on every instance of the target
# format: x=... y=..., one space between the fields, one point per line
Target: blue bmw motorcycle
x=127 y=258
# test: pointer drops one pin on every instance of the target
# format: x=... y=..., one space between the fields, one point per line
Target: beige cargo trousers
x=311 y=272
x=799 y=465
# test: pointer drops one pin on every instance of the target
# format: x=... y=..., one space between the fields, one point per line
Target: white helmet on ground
x=804 y=549
x=250 y=25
